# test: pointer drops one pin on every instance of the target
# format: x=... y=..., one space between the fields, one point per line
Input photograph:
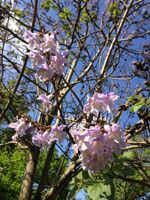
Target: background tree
x=108 y=45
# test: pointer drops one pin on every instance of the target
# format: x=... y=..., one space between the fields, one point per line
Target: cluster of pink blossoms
x=45 y=55
x=22 y=127
x=42 y=139
x=100 y=102
x=97 y=145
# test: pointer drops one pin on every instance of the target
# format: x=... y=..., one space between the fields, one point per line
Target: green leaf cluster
x=88 y=17
x=47 y=4
x=12 y=166
x=84 y=17
x=65 y=14
x=114 y=10
x=138 y=102
x=107 y=185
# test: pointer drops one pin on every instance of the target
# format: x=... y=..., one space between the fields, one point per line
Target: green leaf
x=138 y=102
x=94 y=15
x=114 y=10
x=130 y=98
x=128 y=155
x=66 y=10
x=47 y=4
x=18 y=13
x=99 y=191
x=65 y=14
x=84 y=17
x=137 y=106
x=66 y=27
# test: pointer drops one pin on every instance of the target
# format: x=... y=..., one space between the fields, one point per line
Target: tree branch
x=64 y=180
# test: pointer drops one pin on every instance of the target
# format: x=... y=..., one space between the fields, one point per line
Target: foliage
x=139 y=102
x=12 y=165
x=114 y=10
x=108 y=184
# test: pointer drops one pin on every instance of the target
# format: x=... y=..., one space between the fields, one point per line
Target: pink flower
x=44 y=51
x=41 y=139
x=22 y=127
x=37 y=57
x=58 y=61
x=44 y=140
x=15 y=137
x=50 y=44
x=33 y=39
x=97 y=145
x=45 y=73
x=57 y=133
x=116 y=137
x=100 y=102
x=45 y=99
x=109 y=100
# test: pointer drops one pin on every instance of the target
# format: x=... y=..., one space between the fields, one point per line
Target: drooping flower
x=37 y=57
x=45 y=99
x=41 y=139
x=100 y=102
x=44 y=74
x=58 y=133
x=97 y=145
x=45 y=55
x=50 y=44
x=33 y=39
x=44 y=139
x=116 y=137
x=22 y=127
x=57 y=63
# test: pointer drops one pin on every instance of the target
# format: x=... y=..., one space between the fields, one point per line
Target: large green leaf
x=99 y=191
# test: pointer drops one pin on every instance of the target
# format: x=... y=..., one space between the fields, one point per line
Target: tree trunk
x=26 y=189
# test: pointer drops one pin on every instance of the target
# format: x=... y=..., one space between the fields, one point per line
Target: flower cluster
x=22 y=127
x=45 y=54
x=42 y=139
x=97 y=145
x=100 y=102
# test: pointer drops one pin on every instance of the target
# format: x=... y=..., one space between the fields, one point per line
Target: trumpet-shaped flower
x=33 y=39
x=97 y=145
x=58 y=133
x=49 y=44
x=41 y=139
x=100 y=102
x=44 y=139
x=45 y=55
x=22 y=127
x=37 y=57
x=45 y=99
x=116 y=137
